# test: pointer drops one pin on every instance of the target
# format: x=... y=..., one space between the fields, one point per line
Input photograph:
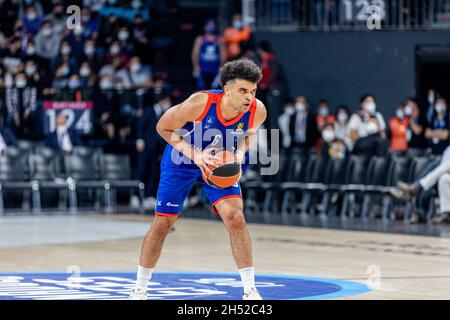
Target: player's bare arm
x=175 y=118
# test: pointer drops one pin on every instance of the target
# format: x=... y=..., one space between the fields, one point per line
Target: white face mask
x=371 y=107
x=328 y=135
x=441 y=108
x=115 y=49
x=135 y=67
x=323 y=112
x=400 y=114
x=65 y=50
x=408 y=110
x=46 y=32
x=32 y=16
x=431 y=99
x=372 y=128
x=289 y=111
x=84 y=72
x=21 y=83
x=30 y=70
x=300 y=107
x=106 y=85
x=123 y=35
x=342 y=117
x=77 y=31
x=31 y=51
x=89 y=50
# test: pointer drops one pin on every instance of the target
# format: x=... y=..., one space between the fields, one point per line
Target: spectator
x=358 y=124
x=91 y=55
x=146 y=145
x=283 y=123
x=9 y=13
x=140 y=39
x=332 y=146
x=75 y=40
x=12 y=56
x=115 y=52
x=87 y=77
x=437 y=131
x=90 y=23
x=33 y=76
x=398 y=128
x=438 y=173
x=163 y=103
x=302 y=126
x=207 y=55
x=63 y=138
x=140 y=76
x=324 y=115
x=373 y=144
x=237 y=36
x=58 y=19
x=32 y=22
x=47 y=43
x=341 y=128
x=417 y=123
x=270 y=87
x=66 y=57
x=125 y=44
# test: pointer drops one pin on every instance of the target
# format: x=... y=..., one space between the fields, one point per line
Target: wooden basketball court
x=409 y=267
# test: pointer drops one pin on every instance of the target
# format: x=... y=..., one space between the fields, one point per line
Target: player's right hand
x=204 y=159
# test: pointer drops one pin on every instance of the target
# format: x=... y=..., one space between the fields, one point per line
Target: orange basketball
x=227 y=172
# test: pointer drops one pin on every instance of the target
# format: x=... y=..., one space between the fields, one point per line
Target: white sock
x=143 y=277
x=248 y=278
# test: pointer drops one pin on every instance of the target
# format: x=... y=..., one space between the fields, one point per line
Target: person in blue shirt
x=207 y=56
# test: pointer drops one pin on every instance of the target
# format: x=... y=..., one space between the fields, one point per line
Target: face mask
x=46 y=32
x=112 y=1
x=431 y=99
x=65 y=72
x=441 y=108
x=400 y=114
x=106 y=85
x=237 y=24
x=85 y=18
x=77 y=31
x=31 y=51
x=74 y=84
x=372 y=128
x=300 y=107
x=289 y=111
x=323 y=112
x=89 y=50
x=408 y=110
x=328 y=135
x=21 y=83
x=123 y=35
x=30 y=70
x=342 y=117
x=210 y=30
x=135 y=67
x=84 y=72
x=32 y=16
x=136 y=4
x=65 y=50
x=371 y=108
x=115 y=50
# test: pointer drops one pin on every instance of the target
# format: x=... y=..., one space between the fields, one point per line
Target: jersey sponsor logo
x=168 y=286
x=170 y=204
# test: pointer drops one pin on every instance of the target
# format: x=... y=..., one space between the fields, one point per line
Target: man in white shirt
x=359 y=120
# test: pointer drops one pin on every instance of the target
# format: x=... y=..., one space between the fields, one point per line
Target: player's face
x=241 y=94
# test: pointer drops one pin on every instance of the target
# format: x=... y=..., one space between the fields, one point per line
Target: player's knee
x=235 y=219
x=162 y=225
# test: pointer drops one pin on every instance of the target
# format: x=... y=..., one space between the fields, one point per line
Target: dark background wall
x=341 y=66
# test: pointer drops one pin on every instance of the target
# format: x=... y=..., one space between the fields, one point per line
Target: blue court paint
x=169 y=285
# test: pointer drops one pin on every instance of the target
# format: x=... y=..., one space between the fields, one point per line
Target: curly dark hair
x=240 y=69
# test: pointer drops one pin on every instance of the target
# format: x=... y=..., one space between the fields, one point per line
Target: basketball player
x=234 y=108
